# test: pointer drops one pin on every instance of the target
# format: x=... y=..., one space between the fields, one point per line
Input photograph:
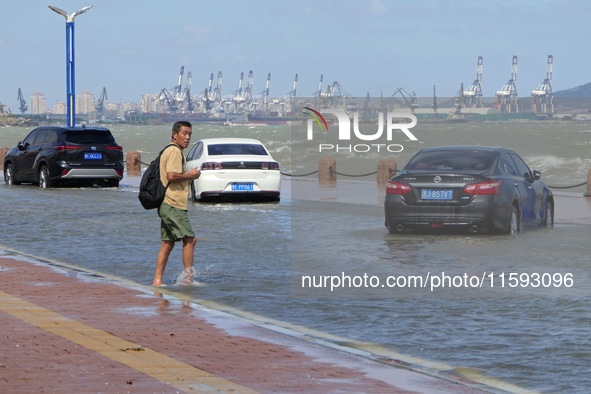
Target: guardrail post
x=588 y=184
x=327 y=171
x=133 y=160
x=386 y=170
x=3 y=152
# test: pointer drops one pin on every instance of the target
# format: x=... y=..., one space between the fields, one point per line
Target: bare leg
x=188 y=256
x=161 y=261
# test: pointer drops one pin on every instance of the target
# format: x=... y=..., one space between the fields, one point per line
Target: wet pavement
x=65 y=330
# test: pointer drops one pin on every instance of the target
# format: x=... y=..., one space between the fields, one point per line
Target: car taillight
x=488 y=187
x=211 y=166
x=63 y=148
x=269 y=166
x=114 y=147
x=393 y=187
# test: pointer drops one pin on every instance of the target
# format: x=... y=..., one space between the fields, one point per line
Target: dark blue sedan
x=470 y=187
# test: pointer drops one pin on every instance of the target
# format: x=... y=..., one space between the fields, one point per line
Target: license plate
x=242 y=186
x=93 y=156
x=436 y=194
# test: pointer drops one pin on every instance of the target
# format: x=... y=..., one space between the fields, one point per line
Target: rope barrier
x=295 y=176
x=355 y=176
x=334 y=172
x=567 y=187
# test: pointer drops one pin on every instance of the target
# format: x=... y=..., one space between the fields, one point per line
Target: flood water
x=251 y=257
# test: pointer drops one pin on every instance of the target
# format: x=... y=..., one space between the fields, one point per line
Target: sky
x=136 y=47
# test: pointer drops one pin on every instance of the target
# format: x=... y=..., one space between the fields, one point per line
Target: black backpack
x=152 y=191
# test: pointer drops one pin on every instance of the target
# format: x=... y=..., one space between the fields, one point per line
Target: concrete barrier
x=327 y=171
x=386 y=170
x=133 y=161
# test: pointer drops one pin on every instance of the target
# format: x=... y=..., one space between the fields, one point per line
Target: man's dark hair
x=176 y=127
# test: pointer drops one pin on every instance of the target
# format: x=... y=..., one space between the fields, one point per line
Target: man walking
x=174 y=224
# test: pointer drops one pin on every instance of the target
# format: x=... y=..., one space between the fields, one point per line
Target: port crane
x=543 y=98
x=23 y=104
x=507 y=95
x=100 y=104
x=206 y=102
x=292 y=93
x=179 y=86
x=179 y=99
x=473 y=94
x=261 y=102
x=334 y=95
x=213 y=96
x=186 y=100
x=435 y=106
x=409 y=98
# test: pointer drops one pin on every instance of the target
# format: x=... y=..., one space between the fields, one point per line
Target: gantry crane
x=434 y=105
x=473 y=94
x=100 y=104
x=187 y=101
x=22 y=103
x=213 y=96
x=409 y=98
x=292 y=93
x=179 y=86
x=334 y=95
x=543 y=98
x=265 y=95
x=179 y=99
x=507 y=95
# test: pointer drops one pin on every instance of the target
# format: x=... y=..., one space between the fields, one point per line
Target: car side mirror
x=537 y=175
x=20 y=145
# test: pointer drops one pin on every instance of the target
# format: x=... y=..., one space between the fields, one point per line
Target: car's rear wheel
x=513 y=225
x=548 y=220
x=44 y=181
x=8 y=175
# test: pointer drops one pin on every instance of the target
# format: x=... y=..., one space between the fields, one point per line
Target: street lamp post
x=70 y=63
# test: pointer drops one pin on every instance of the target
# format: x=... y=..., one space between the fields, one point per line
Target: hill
x=578 y=91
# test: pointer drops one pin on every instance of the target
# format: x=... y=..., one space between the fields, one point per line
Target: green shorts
x=174 y=223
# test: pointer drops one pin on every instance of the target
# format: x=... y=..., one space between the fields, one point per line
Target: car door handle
x=515 y=184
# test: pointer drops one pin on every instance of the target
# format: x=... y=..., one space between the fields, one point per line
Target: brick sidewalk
x=65 y=332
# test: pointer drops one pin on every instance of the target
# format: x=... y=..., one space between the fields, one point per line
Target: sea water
x=536 y=338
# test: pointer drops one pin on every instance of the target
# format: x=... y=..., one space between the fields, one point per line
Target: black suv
x=50 y=155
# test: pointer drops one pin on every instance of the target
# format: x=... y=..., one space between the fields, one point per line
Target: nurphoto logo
x=394 y=121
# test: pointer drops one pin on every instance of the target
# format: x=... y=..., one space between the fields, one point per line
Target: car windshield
x=89 y=137
x=236 y=149
x=452 y=160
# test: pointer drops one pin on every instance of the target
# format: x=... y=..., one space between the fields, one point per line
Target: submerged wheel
x=514 y=225
x=8 y=175
x=548 y=220
x=44 y=181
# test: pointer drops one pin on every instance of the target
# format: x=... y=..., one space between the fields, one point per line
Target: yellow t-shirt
x=177 y=194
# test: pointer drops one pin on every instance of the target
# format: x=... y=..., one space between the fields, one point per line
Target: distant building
x=38 y=106
x=125 y=108
x=85 y=103
x=151 y=103
x=59 y=108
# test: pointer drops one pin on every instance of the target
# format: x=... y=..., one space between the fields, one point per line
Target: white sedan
x=233 y=167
